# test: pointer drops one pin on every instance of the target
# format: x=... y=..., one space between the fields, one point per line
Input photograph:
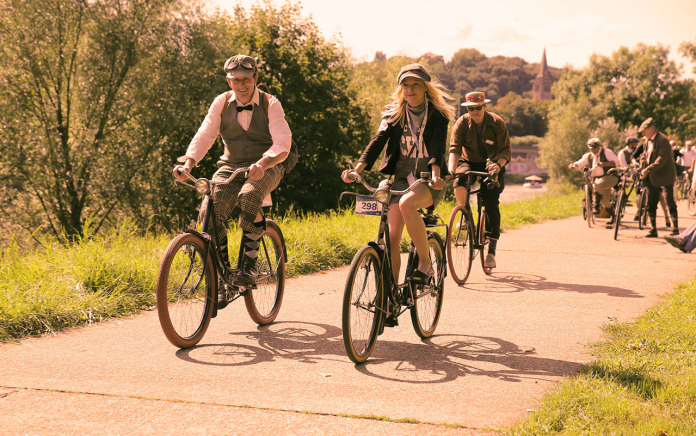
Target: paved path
x=502 y=342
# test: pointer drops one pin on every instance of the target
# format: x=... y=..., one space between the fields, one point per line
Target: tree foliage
x=99 y=98
x=523 y=116
x=611 y=97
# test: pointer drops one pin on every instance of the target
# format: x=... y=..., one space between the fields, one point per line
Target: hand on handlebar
x=348 y=175
x=255 y=171
x=437 y=183
x=492 y=167
x=178 y=170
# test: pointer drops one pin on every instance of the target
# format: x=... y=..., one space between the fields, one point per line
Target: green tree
x=522 y=116
x=80 y=111
x=609 y=98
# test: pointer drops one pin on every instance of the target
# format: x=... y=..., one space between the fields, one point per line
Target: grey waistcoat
x=241 y=145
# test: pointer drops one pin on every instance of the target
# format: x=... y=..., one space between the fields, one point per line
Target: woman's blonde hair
x=435 y=93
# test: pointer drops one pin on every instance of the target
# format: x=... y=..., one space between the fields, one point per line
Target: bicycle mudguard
x=274 y=226
x=437 y=236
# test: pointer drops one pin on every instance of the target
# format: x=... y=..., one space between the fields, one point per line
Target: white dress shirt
x=210 y=129
x=688 y=156
x=585 y=159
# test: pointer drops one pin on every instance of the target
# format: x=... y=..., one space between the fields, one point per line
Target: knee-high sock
x=492 y=245
x=675 y=218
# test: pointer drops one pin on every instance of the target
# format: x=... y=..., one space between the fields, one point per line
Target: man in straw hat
x=256 y=135
x=659 y=175
x=480 y=142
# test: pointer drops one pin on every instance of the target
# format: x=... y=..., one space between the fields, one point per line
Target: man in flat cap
x=659 y=174
x=600 y=160
x=256 y=135
x=626 y=153
x=480 y=142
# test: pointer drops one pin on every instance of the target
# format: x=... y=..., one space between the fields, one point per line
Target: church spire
x=542 y=83
x=543 y=67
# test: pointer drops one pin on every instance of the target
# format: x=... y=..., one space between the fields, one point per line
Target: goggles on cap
x=245 y=65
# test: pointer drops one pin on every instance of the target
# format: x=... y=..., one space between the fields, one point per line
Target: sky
x=571 y=31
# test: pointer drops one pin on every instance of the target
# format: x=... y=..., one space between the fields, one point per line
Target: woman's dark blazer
x=434 y=136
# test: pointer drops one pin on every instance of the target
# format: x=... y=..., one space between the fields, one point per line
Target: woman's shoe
x=421 y=278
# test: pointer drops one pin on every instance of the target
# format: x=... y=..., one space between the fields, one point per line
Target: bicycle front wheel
x=425 y=313
x=363 y=305
x=263 y=303
x=460 y=244
x=691 y=205
x=483 y=240
x=588 y=205
x=620 y=203
x=185 y=288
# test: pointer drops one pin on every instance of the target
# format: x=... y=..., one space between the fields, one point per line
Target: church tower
x=542 y=83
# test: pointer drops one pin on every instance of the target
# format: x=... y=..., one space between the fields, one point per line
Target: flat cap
x=647 y=123
x=631 y=139
x=417 y=71
x=240 y=66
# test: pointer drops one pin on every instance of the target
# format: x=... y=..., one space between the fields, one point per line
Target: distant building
x=542 y=83
x=523 y=160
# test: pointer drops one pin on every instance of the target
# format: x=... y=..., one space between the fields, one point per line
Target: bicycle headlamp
x=382 y=195
x=202 y=186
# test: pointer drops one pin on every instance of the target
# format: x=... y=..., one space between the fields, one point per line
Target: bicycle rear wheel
x=620 y=204
x=363 y=304
x=263 y=303
x=185 y=288
x=691 y=205
x=425 y=313
x=460 y=244
x=483 y=240
x=588 y=205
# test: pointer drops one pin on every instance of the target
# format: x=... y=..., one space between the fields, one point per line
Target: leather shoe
x=676 y=242
x=652 y=234
x=421 y=278
x=675 y=231
x=603 y=213
x=490 y=261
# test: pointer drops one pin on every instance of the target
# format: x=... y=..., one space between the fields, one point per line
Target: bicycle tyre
x=620 y=203
x=363 y=304
x=691 y=203
x=185 y=289
x=425 y=312
x=643 y=217
x=263 y=303
x=460 y=244
x=483 y=240
x=588 y=205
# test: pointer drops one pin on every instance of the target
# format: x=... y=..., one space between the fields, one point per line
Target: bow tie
x=244 y=108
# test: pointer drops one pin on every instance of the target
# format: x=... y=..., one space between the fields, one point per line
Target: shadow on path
x=439 y=359
x=508 y=282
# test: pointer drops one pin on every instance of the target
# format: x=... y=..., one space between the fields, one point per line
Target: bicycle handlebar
x=425 y=178
x=210 y=182
x=492 y=178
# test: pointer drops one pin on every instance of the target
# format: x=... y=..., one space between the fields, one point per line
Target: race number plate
x=367 y=205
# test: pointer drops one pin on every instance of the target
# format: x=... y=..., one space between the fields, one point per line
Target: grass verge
x=643 y=381
x=114 y=275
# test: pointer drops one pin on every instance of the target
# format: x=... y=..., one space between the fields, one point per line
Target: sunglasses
x=474 y=108
x=592 y=147
x=245 y=65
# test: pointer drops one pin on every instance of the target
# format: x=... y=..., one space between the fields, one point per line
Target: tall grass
x=55 y=287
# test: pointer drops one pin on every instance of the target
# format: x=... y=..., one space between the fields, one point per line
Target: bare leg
x=409 y=205
x=460 y=194
x=396 y=228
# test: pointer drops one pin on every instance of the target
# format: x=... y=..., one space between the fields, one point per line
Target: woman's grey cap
x=417 y=71
x=647 y=123
x=239 y=70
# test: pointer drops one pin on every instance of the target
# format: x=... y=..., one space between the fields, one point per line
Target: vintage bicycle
x=627 y=176
x=191 y=269
x=465 y=239
x=372 y=292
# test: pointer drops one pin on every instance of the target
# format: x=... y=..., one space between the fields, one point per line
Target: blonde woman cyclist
x=414 y=130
